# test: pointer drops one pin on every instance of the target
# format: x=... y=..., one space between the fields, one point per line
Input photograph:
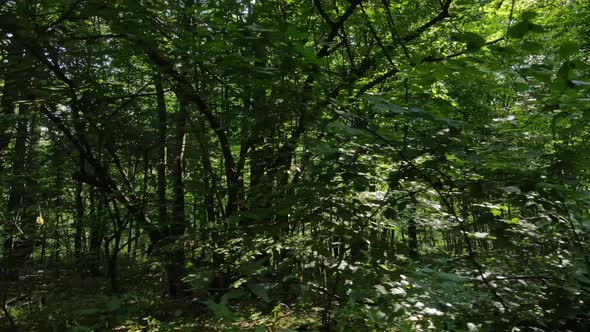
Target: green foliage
x=291 y=165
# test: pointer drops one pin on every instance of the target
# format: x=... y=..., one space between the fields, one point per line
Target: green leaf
x=532 y=46
x=528 y=15
x=220 y=310
x=474 y=41
x=235 y=293
x=520 y=29
x=568 y=49
x=259 y=290
x=540 y=72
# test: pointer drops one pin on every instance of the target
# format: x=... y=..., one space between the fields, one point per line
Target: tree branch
x=457 y=54
x=184 y=90
x=323 y=14
x=378 y=80
x=444 y=13
x=326 y=50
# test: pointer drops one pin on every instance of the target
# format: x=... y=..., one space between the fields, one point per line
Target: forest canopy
x=295 y=165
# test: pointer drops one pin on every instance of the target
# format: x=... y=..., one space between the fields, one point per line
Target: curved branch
x=379 y=79
x=326 y=50
x=457 y=54
x=444 y=13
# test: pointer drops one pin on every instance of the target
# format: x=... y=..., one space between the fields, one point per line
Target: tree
x=409 y=165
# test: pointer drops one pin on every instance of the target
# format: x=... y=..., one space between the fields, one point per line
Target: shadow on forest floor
x=62 y=299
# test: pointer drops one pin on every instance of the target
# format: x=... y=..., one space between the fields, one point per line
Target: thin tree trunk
x=412 y=238
x=79 y=221
x=21 y=202
x=208 y=177
x=96 y=236
x=113 y=253
x=13 y=82
x=162 y=152
x=176 y=258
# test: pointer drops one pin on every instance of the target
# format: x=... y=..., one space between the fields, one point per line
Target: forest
x=295 y=165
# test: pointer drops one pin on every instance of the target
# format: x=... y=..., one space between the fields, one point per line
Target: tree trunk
x=208 y=176
x=79 y=221
x=412 y=238
x=13 y=82
x=162 y=152
x=96 y=236
x=21 y=203
x=175 y=251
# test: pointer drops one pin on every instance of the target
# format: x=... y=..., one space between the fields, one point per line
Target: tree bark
x=412 y=238
x=96 y=235
x=208 y=176
x=79 y=221
x=175 y=248
x=162 y=151
x=22 y=230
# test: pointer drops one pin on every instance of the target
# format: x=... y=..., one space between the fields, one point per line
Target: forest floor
x=59 y=300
